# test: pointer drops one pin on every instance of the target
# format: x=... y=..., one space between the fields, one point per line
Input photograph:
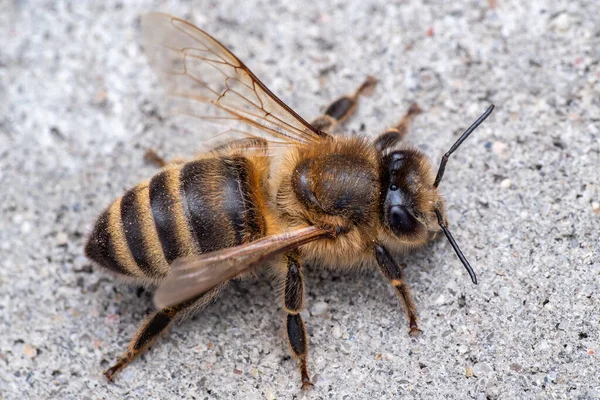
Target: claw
x=306 y=384
x=110 y=373
x=414 y=332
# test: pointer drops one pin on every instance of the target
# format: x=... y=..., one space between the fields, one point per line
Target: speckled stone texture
x=79 y=106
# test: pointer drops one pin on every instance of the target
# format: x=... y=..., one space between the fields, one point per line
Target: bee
x=287 y=194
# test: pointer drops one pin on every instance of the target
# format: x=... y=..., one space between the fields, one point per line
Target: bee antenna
x=461 y=139
x=459 y=253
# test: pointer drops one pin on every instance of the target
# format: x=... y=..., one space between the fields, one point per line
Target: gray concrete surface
x=78 y=108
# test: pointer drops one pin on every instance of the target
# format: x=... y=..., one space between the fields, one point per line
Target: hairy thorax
x=333 y=184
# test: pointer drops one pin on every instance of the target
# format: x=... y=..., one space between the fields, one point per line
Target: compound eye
x=401 y=221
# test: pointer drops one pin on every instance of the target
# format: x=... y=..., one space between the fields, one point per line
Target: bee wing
x=198 y=69
x=194 y=275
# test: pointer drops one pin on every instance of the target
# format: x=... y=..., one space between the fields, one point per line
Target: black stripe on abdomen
x=202 y=183
x=132 y=228
x=248 y=224
x=218 y=204
x=100 y=247
x=162 y=204
x=234 y=206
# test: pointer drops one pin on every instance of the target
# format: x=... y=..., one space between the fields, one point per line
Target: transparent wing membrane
x=197 y=71
x=194 y=275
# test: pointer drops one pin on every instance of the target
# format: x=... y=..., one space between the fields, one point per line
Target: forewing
x=194 y=275
x=198 y=70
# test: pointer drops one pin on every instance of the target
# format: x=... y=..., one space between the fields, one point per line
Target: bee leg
x=296 y=332
x=393 y=135
x=342 y=108
x=391 y=270
x=149 y=330
x=152 y=157
x=154 y=325
x=242 y=145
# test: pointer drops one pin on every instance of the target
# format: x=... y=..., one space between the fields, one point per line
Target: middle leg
x=342 y=108
x=294 y=301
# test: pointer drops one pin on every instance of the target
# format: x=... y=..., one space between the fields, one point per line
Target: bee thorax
x=335 y=184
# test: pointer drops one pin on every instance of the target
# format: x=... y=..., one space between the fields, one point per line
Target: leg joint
x=397 y=282
x=294 y=286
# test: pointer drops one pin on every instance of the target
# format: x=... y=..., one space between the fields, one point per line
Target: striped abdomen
x=201 y=206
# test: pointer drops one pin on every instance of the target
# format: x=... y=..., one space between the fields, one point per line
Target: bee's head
x=412 y=208
x=408 y=197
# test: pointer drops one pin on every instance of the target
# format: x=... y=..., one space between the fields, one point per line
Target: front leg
x=391 y=270
x=294 y=301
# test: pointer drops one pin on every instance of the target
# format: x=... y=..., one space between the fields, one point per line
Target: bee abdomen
x=166 y=204
x=204 y=205
x=124 y=239
x=101 y=248
x=108 y=244
x=141 y=234
x=219 y=203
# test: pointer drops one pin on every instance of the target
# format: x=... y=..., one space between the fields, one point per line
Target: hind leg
x=296 y=331
x=342 y=108
x=157 y=323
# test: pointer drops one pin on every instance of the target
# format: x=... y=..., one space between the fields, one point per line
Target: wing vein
x=200 y=69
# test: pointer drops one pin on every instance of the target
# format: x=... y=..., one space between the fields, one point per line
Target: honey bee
x=288 y=194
